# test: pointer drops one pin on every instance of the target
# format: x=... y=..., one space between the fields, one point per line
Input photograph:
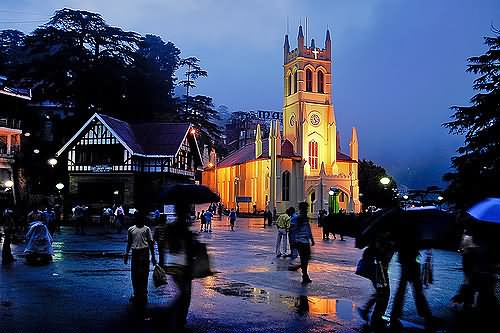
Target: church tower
x=308 y=116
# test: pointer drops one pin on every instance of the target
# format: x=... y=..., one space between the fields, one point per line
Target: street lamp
x=59 y=186
x=36 y=151
x=405 y=197
x=385 y=181
x=9 y=183
x=236 y=182
x=52 y=162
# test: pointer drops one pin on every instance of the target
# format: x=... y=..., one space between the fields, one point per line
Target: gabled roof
x=146 y=139
x=245 y=154
x=344 y=157
x=14 y=91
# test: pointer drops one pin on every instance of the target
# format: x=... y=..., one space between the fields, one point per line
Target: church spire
x=300 y=41
x=258 y=142
x=328 y=44
x=313 y=45
x=277 y=138
x=286 y=49
x=353 y=145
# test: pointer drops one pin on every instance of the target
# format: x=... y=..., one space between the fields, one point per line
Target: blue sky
x=398 y=64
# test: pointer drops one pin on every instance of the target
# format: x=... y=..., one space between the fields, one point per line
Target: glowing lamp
x=9 y=183
x=59 y=186
x=52 y=162
x=385 y=181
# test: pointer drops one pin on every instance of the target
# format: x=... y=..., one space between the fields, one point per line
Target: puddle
x=334 y=309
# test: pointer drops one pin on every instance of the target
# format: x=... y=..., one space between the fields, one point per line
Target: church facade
x=303 y=162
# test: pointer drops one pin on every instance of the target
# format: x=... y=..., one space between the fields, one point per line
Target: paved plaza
x=87 y=287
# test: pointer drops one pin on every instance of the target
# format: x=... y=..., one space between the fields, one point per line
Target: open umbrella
x=188 y=194
x=433 y=227
x=487 y=210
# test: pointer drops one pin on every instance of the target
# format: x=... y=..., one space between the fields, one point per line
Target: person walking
x=294 y=253
x=303 y=240
x=208 y=221
x=79 y=216
x=160 y=237
x=379 y=252
x=323 y=223
x=119 y=218
x=232 y=218
x=283 y=225
x=203 y=220
x=140 y=241
x=408 y=254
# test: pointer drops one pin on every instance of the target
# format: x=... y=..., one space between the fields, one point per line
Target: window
x=321 y=80
x=313 y=154
x=295 y=81
x=289 y=84
x=342 y=197
x=285 y=186
x=309 y=80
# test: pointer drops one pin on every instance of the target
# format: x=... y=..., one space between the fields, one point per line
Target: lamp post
x=52 y=162
x=236 y=183
x=9 y=184
x=440 y=201
x=385 y=181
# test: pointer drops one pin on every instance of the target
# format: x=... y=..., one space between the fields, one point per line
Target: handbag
x=366 y=268
x=159 y=276
x=200 y=262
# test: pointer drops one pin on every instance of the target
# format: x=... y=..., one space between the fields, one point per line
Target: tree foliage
x=477 y=168
x=372 y=190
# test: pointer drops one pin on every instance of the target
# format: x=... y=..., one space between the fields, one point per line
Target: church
x=301 y=159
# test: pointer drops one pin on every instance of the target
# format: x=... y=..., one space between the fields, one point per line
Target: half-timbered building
x=109 y=160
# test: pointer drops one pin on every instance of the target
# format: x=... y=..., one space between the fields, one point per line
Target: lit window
x=313 y=154
x=321 y=80
x=309 y=80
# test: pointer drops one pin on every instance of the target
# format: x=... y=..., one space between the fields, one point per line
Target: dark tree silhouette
x=477 y=168
x=373 y=192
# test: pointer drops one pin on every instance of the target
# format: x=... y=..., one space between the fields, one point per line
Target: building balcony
x=10 y=123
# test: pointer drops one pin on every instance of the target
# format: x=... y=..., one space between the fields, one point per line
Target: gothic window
x=295 y=81
x=321 y=80
x=342 y=197
x=289 y=84
x=285 y=186
x=309 y=80
x=313 y=154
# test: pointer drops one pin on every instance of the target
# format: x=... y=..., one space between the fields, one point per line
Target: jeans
x=305 y=254
x=281 y=242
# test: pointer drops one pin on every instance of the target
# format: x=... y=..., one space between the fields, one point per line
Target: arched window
x=295 y=81
x=313 y=154
x=309 y=80
x=321 y=82
x=289 y=84
x=285 y=186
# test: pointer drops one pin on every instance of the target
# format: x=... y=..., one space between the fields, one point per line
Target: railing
x=10 y=123
x=13 y=149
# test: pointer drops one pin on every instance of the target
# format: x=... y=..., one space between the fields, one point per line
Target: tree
x=11 y=42
x=198 y=110
x=372 y=190
x=477 y=168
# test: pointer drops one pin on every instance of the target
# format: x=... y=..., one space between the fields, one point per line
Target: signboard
x=102 y=168
x=243 y=199
x=267 y=115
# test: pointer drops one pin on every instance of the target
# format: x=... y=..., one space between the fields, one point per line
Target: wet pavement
x=87 y=287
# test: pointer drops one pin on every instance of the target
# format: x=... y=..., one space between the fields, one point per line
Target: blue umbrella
x=487 y=210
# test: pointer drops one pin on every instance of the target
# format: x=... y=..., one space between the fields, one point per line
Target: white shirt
x=140 y=237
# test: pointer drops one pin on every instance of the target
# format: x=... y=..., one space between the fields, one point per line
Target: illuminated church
x=303 y=162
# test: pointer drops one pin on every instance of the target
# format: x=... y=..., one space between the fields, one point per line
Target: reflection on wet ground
x=332 y=309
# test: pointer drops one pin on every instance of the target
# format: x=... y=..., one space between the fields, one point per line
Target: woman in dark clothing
x=303 y=240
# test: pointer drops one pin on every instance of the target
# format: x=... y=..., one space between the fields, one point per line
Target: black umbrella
x=432 y=227
x=188 y=194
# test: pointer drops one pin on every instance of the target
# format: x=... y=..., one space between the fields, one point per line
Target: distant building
x=11 y=99
x=109 y=160
x=305 y=162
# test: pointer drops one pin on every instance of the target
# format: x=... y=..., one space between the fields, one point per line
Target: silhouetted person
x=408 y=252
x=303 y=240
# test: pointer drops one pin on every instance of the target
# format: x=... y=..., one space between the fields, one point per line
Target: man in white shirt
x=140 y=240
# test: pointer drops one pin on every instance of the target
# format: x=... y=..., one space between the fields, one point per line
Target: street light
x=405 y=197
x=36 y=151
x=52 y=162
x=385 y=181
x=9 y=183
x=59 y=186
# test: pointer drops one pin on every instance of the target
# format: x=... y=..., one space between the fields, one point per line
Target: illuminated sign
x=102 y=168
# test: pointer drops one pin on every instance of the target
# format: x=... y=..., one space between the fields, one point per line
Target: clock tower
x=308 y=115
